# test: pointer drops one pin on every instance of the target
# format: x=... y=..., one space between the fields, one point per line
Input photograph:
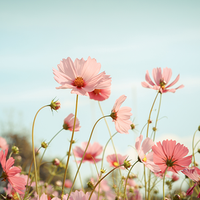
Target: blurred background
x=127 y=38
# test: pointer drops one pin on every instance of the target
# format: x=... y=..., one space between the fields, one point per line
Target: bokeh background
x=127 y=38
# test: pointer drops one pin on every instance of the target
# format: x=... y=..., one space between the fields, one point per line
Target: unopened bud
x=15 y=149
x=58 y=183
x=18 y=158
x=102 y=171
x=55 y=105
x=90 y=185
x=9 y=196
x=155 y=191
x=154 y=129
x=127 y=164
x=37 y=152
x=132 y=126
x=198 y=150
x=177 y=197
x=44 y=145
x=149 y=121
x=198 y=128
x=56 y=162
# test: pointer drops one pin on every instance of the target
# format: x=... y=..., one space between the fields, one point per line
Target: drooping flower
x=10 y=172
x=146 y=159
x=3 y=144
x=81 y=76
x=171 y=156
x=193 y=174
x=161 y=80
x=115 y=161
x=92 y=152
x=121 y=116
x=103 y=90
x=69 y=123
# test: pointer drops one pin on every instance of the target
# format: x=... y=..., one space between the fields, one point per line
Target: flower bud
x=15 y=149
x=198 y=150
x=55 y=105
x=58 y=183
x=37 y=151
x=149 y=121
x=155 y=191
x=154 y=129
x=177 y=197
x=198 y=128
x=56 y=162
x=18 y=158
x=44 y=145
x=102 y=171
x=132 y=126
x=68 y=183
x=9 y=196
x=90 y=185
x=127 y=164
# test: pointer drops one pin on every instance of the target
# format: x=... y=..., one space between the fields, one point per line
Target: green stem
x=102 y=179
x=127 y=178
x=150 y=114
x=145 y=183
x=84 y=154
x=164 y=184
x=193 y=148
x=70 y=147
x=33 y=148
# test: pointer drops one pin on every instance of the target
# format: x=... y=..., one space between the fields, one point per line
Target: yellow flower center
x=162 y=84
x=144 y=159
x=79 y=82
x=88 y=156
x=97 y=91
x=116 y=164
x=15 y=196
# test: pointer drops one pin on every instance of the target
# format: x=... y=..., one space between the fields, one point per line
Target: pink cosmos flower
x=10 y=171
x=103 y=91
x=161 y=80
x=69 y=123
x=3 y=144
x=80 y=195
x=171 y=156
x=92 y=152
x=193 y=174
x=146 y=159
x=116 y=161
x=121 y=116
x=81 y=76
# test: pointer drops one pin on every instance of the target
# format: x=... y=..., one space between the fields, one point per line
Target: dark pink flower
x=81 y=76
x=121 y=116
x=146 y=159
x=193 y=174
x=171 y=155
x=103 y=89
x=161 y=80
x=10 y=172
x=115 y=161
x=69 y=123
x=92 y=152
x=3 y=144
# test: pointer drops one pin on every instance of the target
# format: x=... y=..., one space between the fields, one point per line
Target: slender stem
x=33 y=148
x=164 y=184
x=193 y=148
x=70 y=147
x=84 y=154
x=145 y=183
x=78 y=173
x=150 y=113
x=102 y=179
x=127 y=178
x=110 y=137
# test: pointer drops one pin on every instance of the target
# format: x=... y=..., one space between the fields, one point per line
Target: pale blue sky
x=126 y=37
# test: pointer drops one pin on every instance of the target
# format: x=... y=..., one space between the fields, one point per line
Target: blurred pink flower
x=69 y=123
x=81 y=76
x=3 y=144
x=92 y=152
x=161 y=80
x=175 y=177
x=68 y=183
x=171 y=155
x=116 y=161
x=10 y=172
x=80 y=195
x=103 y=89
x=43 y=197
x=146 y=159
x=121 y=116
x=193 y=174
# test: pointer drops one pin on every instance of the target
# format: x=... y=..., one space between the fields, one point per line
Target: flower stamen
x=79 y=82
x=116 y=164
x=97 y=91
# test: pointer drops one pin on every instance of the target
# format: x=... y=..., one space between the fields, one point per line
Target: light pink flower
x=68 y=183
x=171 y=155
x=3 y=144
x=161 y=80
x=103 y=89
x=69 y=123
x=43 y=197
x=92 y=152
x=193 y=174
x=121 y=116
x=146 y=159
x=116 y=161
x=10 y=171
x=80 y=195
x=81 y=76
